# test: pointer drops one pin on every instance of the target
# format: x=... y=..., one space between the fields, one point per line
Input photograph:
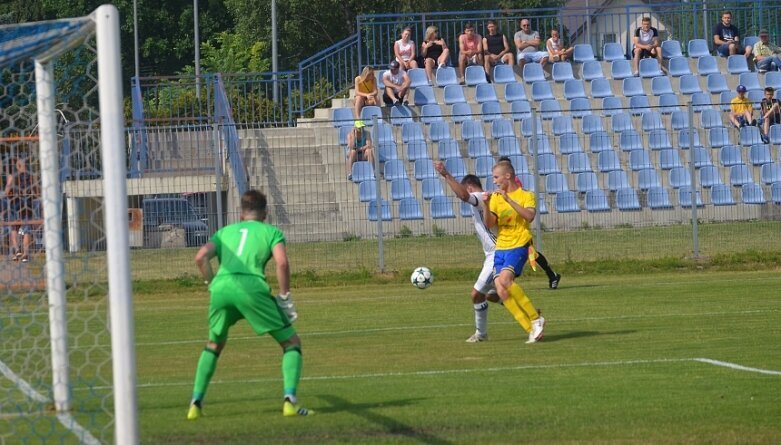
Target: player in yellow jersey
x=511 y=210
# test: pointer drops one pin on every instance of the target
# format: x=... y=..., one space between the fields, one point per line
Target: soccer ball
x=422 y=277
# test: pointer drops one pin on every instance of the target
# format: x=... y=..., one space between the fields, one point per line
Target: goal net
x=67 y=361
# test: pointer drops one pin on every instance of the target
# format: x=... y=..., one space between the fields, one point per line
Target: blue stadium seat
x=668 y=103
x=689 y=84
x=775 y=192
x=685 y=197
x=432 y=187
x=556 y=183
x=520 y=164
x=490 y=111
x=679 y=120
x=400 y=189
x=546 y=164
x=750 y=136
x=775 y=134
x=740 y=175
x=417 y=150
x=378 y=74
x=755 y=97
x=661 y=85
x=502 y=128
x=759 y=154
x=583 y=53
x=503 y=74
x=343 y=132
x=471 y=129
x=465 y=207
x=750 y=41
x=586 y=181
x=770 y=173
x=620 y=69
x=448 y=148
x=562 y=72
x=367 y=190
x=633 y=86
x=658 y=198
x=485 y=92
x=541 y=144
x=710 y=176
x=387 y=151
x=439 y=130
x=613 y=51
x=701 y=157
x=648 y=178
x=773 y=79
x=424 y=96
x=488 y=184
x=639 y=159
x=343 y=117
x=639 y=105
x=454 y=94
x=532 y=72
x=721 y=195
x=474 y=75
x=394 y=169
x=574 y=88
x=596 y=201
x=711 y=119
x=514 y=91
x=678 y=66
x=569 y=143
x=630 y=140
x=369 y=112
x=592 y=70
x=627 y=200
x=409 y=209
x=701 y=102
x=580 y=107
x=456 y=167
x=418 y=78
x=520 y=109
x=509 y=146
x=737 y=64
x=670 y=49
x=446 y=76
x=608 y=161
x=411 y=131
x=591 y=124
x=478 y=147
x=424 y=168
x=549 y=109
x=372 y=210
x=652 y=121
x=752 y=194
x=441 y=207
x=600 y=141
x=601 y=88
x=650 y=68
x=679 y=177
x=611 y=105
x=684 y=136
x=698 y=48
x=562 y=125
x=621 y=122
x=541 y=90
x=616 y=180
x=578 y=163
x=724 y=100
x=430 y=113
x=567 y=202
x=384 y=133
x=461 y=112
x=717 y=83
x=362 y=171
x=526 y=127
x=484 y=166
x=669 y=159
x=659 y=140
x=730 y=155
x=400 y=115
x=707 y=65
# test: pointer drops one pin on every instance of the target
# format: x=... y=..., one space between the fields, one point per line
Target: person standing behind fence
x=404 y=50
x=239 y=290
x=496 y=48
x=21 y=192
x=470 y=49
x=434 y=51
x=366 y=92
x=527 y=42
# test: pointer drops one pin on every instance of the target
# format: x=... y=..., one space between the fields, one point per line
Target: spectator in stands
x=434 y=51
x=365 y=90
x=646 y=44
x=359 y=147
x=397 y=83
x=741 y=109
x=470 y=49
x=527 y=42
x=770 y=113
x=557 y=52
x=766 y=54
x=21 y=191
x=496 y=48
x=726 y=37
x=404 y=49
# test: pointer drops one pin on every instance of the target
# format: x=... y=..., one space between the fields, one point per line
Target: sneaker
x=441 y=65
x=349 y=177
x=25 y=259
x=753 y=123
x=285 y=302
x=194 y=412
x=291 y=410
x=554 y=283
x=405 y=102
x=536 y=334
x=476 y=338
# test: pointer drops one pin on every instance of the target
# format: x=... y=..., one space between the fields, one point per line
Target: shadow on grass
x=392 y=426
x=580 y=334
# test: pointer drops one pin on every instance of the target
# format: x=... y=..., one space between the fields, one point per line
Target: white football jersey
x=487 y=237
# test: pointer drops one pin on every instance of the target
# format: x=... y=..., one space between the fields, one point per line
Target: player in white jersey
x=470 y=190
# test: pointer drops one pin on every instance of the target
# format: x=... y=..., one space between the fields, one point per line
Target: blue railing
x=328 y=73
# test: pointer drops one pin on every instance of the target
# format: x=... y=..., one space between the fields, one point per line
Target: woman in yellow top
x=366 y=92
x=511 y=209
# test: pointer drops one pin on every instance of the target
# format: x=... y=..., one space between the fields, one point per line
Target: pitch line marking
x=736 y=366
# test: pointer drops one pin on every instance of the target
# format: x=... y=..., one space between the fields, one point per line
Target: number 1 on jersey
x=243 y=240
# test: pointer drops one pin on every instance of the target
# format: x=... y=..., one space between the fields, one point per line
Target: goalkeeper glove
x=285 y=302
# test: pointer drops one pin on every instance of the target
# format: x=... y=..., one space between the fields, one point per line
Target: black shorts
x=646 y=53
x=387 y=99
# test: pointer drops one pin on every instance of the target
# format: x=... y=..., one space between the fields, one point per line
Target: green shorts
x=239 y=297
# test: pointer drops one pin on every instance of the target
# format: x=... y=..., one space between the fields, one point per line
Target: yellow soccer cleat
x=194 y=412
x=290 y=410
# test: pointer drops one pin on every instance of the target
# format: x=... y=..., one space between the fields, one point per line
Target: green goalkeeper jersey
x=244 y=248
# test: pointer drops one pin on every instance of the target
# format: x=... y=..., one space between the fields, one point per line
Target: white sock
x=481 y=318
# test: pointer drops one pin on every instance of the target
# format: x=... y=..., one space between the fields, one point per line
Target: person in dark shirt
x=496 y=47
x=21 y=191
x=770 y=113
x=726 y=37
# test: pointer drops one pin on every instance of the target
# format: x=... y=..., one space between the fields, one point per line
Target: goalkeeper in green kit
x=239 y=291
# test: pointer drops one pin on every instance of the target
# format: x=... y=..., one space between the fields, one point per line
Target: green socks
x=291 y=371
x=203 y=374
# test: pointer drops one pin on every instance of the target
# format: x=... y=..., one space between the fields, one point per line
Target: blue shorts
x=511 y=259
x=723 y=50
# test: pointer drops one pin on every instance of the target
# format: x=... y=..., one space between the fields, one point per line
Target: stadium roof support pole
x=52 y=210
x=115 y=214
